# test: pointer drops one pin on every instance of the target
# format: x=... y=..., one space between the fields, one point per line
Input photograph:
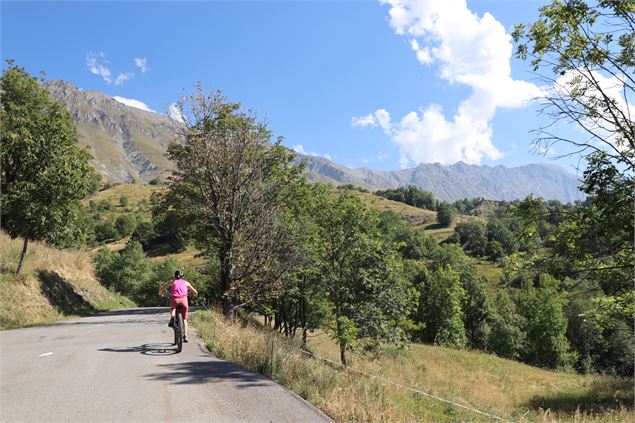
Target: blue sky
x=377 y=84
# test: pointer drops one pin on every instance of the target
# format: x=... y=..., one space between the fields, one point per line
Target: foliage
x=589 y=48
x=410 y=195
x=445 y=214
x=125 y=225
x=44 y=172
x=132 y=274
x=230 y=186
x=545 y=325
x=441 y=307
x=368 y=298
x=123 y=201
x=106 y=231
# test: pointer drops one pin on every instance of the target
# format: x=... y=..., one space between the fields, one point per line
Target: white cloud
x=96 y=65
x=141 y=63
x=467 y=50
x=123 y=77
x=368 y=120
x=380 y=118
x=610 y=86
x=175 y=113
x=134 y=103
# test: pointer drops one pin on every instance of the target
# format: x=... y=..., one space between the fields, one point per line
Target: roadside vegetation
x=53 y=285
x=505 y=388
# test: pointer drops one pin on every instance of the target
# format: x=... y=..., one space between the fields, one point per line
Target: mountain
x=457 y=181
x=126 y=143
x=129 y=143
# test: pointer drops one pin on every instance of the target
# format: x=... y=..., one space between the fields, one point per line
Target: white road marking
x=45 y=354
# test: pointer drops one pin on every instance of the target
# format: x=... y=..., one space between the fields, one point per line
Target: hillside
x=505 y=388
x=128 y=143
x=53 y=285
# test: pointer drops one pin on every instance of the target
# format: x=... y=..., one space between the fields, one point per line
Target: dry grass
x=53 y=284
x=502 y=387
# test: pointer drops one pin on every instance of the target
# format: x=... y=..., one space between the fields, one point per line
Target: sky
x=383 y=84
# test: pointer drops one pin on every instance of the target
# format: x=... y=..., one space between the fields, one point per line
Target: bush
x=106 y=231
x=144 y=233
x=125 y=225
x=123 y=201
x=445 y=214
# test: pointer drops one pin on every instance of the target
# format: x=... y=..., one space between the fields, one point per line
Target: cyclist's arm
x=164 y=287
x=191 y=288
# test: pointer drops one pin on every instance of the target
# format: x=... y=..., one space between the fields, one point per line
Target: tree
x=473 y=237
x=445 y=214
x=125 y=225
x=368 y=299
x=44 y=172
x=545 y=325
x=230 y=184
x=440 y=307
x=586 y=53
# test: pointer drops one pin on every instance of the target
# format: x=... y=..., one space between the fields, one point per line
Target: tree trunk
x=24 y=246
x=304 y=332
x=343 y=354
x=226 y=276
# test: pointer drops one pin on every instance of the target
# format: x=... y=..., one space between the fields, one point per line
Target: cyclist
x=179 y=288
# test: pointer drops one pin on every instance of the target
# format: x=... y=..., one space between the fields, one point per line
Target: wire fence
x=390 y=382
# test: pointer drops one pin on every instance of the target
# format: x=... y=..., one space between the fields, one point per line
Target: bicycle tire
x=179 y=331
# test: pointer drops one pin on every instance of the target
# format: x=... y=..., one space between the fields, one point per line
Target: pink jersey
x=179 y=288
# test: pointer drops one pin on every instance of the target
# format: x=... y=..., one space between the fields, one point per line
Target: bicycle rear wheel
x=179 y=330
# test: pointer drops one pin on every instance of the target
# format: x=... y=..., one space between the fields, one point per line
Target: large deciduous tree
x=44 y=172
x=230 y=185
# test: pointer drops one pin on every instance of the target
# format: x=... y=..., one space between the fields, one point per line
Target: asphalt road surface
x=121 y=366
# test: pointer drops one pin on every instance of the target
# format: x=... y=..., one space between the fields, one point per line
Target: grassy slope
x=53 y=285
x=139 y=206
x=502 y=387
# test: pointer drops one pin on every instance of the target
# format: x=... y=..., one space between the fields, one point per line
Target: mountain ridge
x=128 y=143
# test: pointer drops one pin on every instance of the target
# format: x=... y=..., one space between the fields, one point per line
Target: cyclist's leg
x=184 y=304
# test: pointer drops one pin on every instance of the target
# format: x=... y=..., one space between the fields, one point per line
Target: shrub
x=445 y=214
x=125 y=224
x=106 y=231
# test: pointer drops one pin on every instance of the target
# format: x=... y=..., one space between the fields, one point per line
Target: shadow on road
x=145 y=349
x=199 y=372
x=135 y=311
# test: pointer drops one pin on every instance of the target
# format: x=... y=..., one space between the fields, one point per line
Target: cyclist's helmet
x=178 y=274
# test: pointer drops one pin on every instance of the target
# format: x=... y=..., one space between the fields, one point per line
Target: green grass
x=502 y=387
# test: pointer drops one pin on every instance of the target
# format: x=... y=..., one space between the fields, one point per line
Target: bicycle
x=179 y=328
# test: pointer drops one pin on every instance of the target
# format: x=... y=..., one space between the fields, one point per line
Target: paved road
x=121 y=366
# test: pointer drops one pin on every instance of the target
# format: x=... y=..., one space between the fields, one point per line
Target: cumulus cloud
x=467 y=50
x=134 y=103
x=141 y=63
